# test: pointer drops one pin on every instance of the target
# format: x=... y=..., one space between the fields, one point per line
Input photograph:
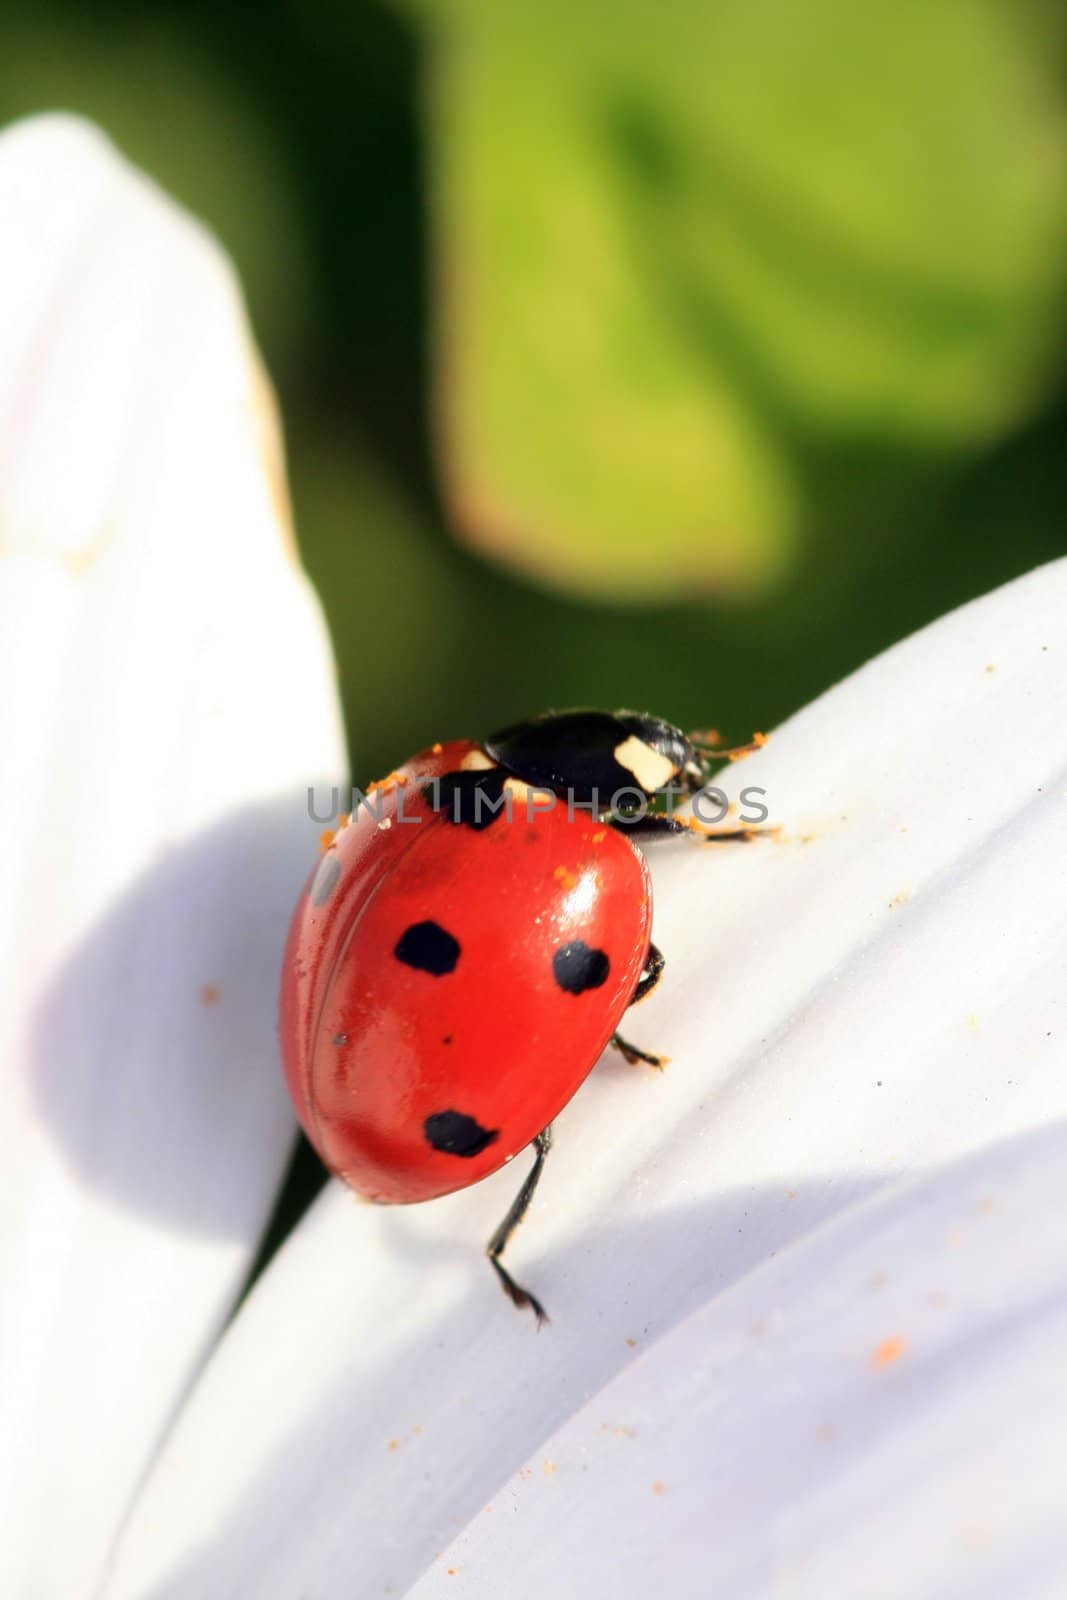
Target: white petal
x=877 y=991
x=881 y=1411
x=167 y=698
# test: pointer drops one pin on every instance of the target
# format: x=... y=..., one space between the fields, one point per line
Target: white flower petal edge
x=168 y=695
x=873 y=993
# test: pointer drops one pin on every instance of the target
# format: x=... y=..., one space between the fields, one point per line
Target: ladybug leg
x=657 y=827
x=519 y=1206
x=651 y=973
x=650 y=976
x=735 y=835
x=633 y=1055
x=648 y=827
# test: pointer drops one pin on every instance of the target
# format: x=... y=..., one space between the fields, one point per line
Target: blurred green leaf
x=684 y=251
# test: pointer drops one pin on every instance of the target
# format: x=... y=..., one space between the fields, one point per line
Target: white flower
x=808 y=1286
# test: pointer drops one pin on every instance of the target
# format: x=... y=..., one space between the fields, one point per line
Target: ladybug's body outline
x=462 y=956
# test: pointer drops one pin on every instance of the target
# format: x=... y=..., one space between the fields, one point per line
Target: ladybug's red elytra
x=466 y=948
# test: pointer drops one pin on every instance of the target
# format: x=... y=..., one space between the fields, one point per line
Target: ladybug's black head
x=579 y=752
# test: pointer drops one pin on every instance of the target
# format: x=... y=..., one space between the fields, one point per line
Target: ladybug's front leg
x=656 y=826
x=497 y=1244
x=650 y=976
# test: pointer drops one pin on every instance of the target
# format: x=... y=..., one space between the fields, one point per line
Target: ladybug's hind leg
x=650 y=976
x=519 y=1206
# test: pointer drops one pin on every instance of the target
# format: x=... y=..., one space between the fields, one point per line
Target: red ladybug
x=467 y=946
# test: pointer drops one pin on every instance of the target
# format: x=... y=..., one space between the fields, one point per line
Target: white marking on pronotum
x=477 y=761
x=650 y=767
x=526 y=794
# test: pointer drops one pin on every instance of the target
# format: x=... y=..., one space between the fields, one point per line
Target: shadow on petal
x=412 y=1421
x=154 y=1052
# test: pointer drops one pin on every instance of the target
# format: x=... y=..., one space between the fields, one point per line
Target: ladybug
x=468 y=945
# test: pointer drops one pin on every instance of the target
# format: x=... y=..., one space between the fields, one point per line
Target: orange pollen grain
x=564 y=876
x=326 y=838
x=391 y=780
x=600 y=836
x=888 y=1352
x=437 y=748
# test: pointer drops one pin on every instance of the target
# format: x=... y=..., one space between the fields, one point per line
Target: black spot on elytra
x=578 y=966
x=447 y=1039
x=456 y=1134
x=471 y=799
x=429 y=948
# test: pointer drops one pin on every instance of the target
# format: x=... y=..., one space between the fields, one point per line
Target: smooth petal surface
x=881 y=1411
x=167 y=696
x=863 y=998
